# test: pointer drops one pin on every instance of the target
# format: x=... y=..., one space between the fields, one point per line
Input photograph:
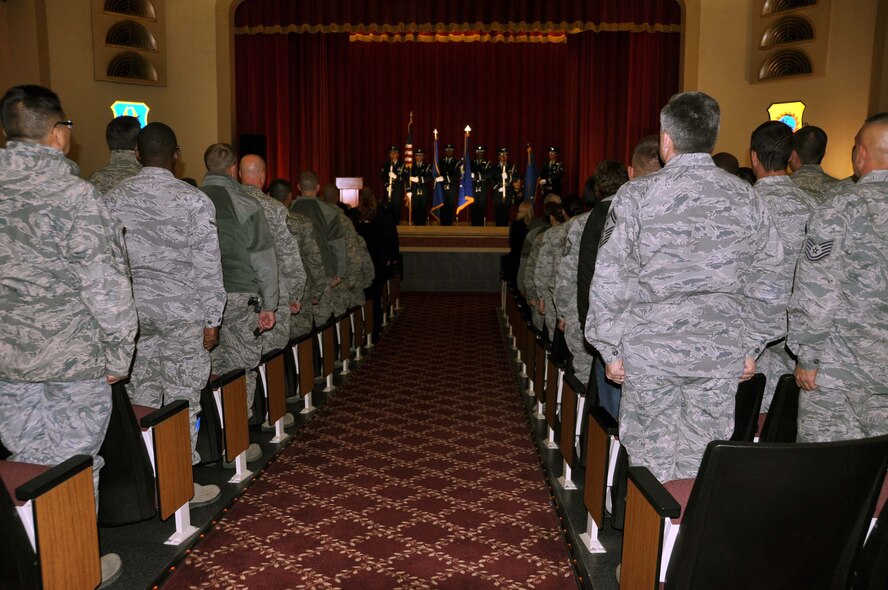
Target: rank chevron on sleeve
x=815 y=251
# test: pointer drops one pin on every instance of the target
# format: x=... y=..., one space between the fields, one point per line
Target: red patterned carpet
x=419 y=473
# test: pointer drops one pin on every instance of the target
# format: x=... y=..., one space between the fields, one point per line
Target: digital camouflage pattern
x=342 y=295
x=530 y=284
x=688 y=282
x=291 y=274
x=548 y=259
x=565 y=297
x=813 y=180
x=239 y=345
x=365 y=274
x=838 y=314
x=66 y=305
x=303 y=230
x=790 y=208
x=123 y=164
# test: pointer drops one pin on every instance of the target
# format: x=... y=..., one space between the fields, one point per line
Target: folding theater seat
x=780 y=424
x=757 y=516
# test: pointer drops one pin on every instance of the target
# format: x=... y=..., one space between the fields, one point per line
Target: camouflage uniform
x=790 y=208
x=342 y=294
x=66 y=308
x=301 y=227
x=174 y=255
x=530 y=286
x=548 y=259
x=291 y=274
x=365 y=274
x=123 y=164
x=565 y=297
x=813 y=180
x=249 y=270
x=688 y=281
x=838 y=315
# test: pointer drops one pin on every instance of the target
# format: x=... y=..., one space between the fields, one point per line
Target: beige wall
x=717 y=36
x=190 y=103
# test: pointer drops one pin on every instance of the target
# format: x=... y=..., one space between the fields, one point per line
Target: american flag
x=408 y=145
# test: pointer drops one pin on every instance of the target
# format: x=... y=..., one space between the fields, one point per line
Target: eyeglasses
x=69 y=124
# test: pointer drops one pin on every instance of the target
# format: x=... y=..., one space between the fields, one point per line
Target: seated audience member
x=790 y=209
x=747 y=174
x=173 y=251
x=376 y=231
x=65 y=302
x=249 y=272
x=679 y=314
x=727 y=162
x=121 y=134
x=535 y=237
x=343 y=296
x=838 y=314
x=808 y=149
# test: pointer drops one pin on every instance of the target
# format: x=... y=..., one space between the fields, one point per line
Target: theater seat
x=748 y=406
x=781 y=421
x=764 y=516
x=871 y=570
x=48 y=537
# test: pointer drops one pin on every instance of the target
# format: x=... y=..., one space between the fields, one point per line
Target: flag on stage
x=530 y=176
x=408 y=145
x=438 y=197
x=466 y=190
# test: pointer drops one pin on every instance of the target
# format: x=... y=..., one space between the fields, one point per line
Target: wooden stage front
x=461 y=258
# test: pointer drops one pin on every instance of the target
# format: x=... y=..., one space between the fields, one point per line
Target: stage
x=452 y=258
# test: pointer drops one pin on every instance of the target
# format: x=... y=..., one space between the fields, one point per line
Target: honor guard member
x=301 y=228
x=66 y=306
x=416 y=179
x=808 y=149
x=330 y=239
x=688 y=288
x=392 y=174
x=120 y=134
x=838 y=314
x=480 y=186
x=449 y=179
x=502 y=177
x=551 y=174
x=790 y=208
x=249 y=272
x=174 y=257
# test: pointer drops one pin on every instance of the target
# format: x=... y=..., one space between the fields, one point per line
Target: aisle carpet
x=419 y=473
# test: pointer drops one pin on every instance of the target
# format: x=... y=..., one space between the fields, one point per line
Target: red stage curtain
x=457 y=15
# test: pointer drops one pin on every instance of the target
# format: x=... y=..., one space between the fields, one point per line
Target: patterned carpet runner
x=419 y=473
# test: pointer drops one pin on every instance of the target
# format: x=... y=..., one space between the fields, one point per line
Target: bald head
x=252 y=171
x=871 y=146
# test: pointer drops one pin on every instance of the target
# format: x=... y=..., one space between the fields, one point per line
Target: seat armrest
x=53 y=477
x=161 y=414
x=659 y=498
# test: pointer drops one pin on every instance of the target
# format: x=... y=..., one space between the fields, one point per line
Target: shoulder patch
x=815 y=251
x=609 y=225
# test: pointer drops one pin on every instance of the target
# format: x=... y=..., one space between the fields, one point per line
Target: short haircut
x=746 y=173
x=646 y=157
x=573 y=206
x=809 y=144
x=330 y=193
x=122 y=133
x=219 y=157
x=691 y=119
x=609 y=176
x=772 y=143
x=156 y=141
x=727 y=162
x=30 y=112
x=279 y=189
x=880 y=118
x=308 y=181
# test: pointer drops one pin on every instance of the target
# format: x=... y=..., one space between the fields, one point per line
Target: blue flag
x=530 y=177
x=438 y=197
x=466 y=190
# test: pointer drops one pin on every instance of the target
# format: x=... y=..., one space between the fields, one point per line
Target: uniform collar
x=695 y=160
x=874 y=176
x=773 y=180
x=38 y=155
x=124 y=157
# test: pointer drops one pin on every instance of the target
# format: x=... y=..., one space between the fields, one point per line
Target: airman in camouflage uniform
x=249 y=269
x=177 y=277
x=808 y=149
x=530 y=287
x=838 y=313
x=548 y=258
x=66 y=306
x=365 y=274
x=120 y=134
x=790 y=208
x=291 y=274
x=565 y=297
x=688 y=288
